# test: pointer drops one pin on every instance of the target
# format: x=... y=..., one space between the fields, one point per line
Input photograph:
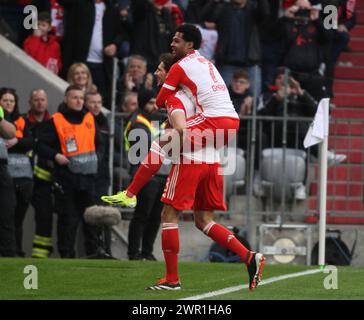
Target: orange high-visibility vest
x=78 y=143
x=20 y=125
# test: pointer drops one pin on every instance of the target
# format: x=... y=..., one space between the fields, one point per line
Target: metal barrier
x=345 y=186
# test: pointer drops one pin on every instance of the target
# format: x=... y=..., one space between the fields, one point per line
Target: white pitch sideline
x=246 y=286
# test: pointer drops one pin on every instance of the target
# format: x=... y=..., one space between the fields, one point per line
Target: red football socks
x=170 y=247
x=226 y=239
x=147 y=169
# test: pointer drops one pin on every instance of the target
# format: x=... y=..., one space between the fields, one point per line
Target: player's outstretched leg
x=147 y=169
x=224 y=237
x=255 y=269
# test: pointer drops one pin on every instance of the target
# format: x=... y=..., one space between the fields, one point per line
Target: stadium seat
x=272 y=172
x=233 y=164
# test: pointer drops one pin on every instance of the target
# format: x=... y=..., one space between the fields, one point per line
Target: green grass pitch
x=126 y=280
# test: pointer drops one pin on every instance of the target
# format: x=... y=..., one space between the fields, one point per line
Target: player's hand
x=61 y=159
x=11 y=142
x=110 y=50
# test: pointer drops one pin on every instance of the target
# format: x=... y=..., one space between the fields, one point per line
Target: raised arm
x=172 y=82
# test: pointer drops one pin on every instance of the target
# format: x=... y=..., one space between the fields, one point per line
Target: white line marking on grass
x=246 y=286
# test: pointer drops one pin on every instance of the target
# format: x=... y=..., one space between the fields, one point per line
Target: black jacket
x=103 y=174
x=34 y=127
x=237 y=99
x=268 y=29
x=152 y=33
x=48 y=146
x=222 y=14
x=79 y=18
x=302 y=44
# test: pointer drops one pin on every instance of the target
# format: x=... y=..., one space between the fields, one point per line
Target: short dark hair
x=144 y=96
x=191 y=34
x=168 y=60
x=92 y=93
x=73 y=87
x=241 y=73
x=45 y=17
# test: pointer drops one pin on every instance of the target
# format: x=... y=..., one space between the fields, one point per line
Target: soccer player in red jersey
x=198 y=186
x=203 y=84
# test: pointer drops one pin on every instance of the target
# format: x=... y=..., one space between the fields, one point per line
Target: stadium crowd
x=43 y=165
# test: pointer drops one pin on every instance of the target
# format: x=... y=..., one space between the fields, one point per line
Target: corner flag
x=318 y=133
x=320 y=126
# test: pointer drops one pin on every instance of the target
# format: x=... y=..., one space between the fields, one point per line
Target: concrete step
x=351 y=113
x=353 y=157
x=356 y=58
x=360 y=15
x=347 y=129
x=356 y=73
x=357 y=44
x=359 y=5
x=342 y=189
x=348 y=87
x=346 y=143
x=343 y=204
x=344 y=173
x=349 y=100
x=357 y=31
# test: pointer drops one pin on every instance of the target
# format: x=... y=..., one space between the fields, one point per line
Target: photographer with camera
x=303 y=38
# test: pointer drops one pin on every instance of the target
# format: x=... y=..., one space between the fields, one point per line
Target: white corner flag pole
x=319 y=133
x=323 y=197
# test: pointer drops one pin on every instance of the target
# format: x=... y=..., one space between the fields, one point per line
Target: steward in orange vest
x=72 y=139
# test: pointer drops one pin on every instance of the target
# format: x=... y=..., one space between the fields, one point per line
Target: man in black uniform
x=7 y=194
x=71 y=138
x=145 y=223
x=42 y=200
